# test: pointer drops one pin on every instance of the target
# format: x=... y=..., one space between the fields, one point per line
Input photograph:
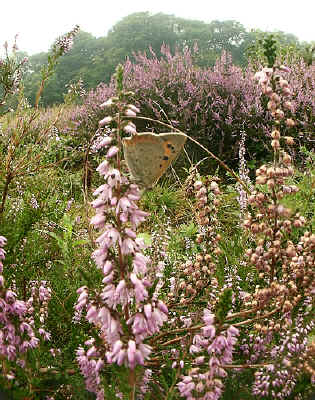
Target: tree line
x=93 y=60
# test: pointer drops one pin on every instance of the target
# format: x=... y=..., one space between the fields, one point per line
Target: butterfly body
x=148 y=155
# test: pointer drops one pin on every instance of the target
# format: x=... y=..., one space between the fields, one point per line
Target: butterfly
x=148 y=155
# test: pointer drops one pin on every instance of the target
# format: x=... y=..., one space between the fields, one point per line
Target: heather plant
x=11 y=72
x=227 y=319
x=22 y=330
x=22 y=144
x=210 y=296
x=122 y=310
x=212 y=105
x=61 y=46
x=75 y=92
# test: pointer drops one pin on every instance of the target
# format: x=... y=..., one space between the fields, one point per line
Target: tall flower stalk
x=121 y=310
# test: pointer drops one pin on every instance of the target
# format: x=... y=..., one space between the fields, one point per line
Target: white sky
x=39 y=22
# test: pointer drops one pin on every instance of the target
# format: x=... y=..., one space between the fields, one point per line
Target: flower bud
x=289 y=122
x=275 y=134
x=289 y=140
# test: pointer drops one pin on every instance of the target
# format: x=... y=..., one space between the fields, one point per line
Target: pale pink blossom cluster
x=278 y=91
x=213 y=349
x=244 y=175
x=64 y=43
x=278 y=379
x=121 y=309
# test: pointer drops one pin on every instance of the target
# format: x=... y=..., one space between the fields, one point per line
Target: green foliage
x=66 y=243
x=266 y=48
x=161 y=200
x=304 y=201
x=224 y=305
x=47 y=241
x=270 y=50
x=94 y=59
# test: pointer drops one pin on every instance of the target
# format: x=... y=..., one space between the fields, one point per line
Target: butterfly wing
x=149 y=155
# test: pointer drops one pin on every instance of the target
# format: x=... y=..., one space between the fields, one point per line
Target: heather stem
x=5 y=193
x=132 y=383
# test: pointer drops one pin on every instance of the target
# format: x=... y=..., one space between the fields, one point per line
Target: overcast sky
x=39 y=22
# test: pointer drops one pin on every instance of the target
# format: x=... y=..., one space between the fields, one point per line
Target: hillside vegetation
x=200 y=287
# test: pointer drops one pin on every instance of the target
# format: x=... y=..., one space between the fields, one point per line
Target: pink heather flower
x=98 y=220
x=139 y=263
x=99 y=365
x=109 y=237
x=108 y=294
x=107 y=103
x=98 y=203
x=130 y=113
x=162 y=307
x=148 y=310
x=3 y=241
x=114 y=178
x=99 y=256
x=208 y=317
x=112 y=151
x=130 y=128
x=284 y=68
x=108 y=278
x=121 y=296
x=132 y=353
x=261 y=77
x=130 y=233
x=138 y=216
x=106 y=193
x=157 y=320
x=209 y=331
x=140 y=243
x=140 y=291
x=288 y=105
x=271 y=105
x=19 y=307
x=200 y=360
x=46 y=335
x=123 y=204
x=279 y=114
x=103 y=168
x=137 y=356
x=283 y=83
x=107 y=268
x=267 y=90
x=83 y=297
x=10 y=296
x=198 y=185
x=100 y=189
x=105 y=121
x=92 y=314
x=105 y=141
x=139 y=324
x=128 y=246
x=186 y=386
x=133 y=108
x=233 y=331
x=2 y=254
x=120 y=287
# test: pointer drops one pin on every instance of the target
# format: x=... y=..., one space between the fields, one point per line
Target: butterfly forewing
x=149 y=155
